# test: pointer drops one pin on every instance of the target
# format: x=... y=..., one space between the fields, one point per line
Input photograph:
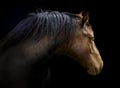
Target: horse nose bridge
x=96 y=54
x=99 y=60
x=99 y=65
x=96 y=65
x=102 y=64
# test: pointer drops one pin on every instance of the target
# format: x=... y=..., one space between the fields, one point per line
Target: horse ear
x=85 y=18
x=80 y=14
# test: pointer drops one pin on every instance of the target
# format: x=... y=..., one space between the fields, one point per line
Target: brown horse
x=42 y=35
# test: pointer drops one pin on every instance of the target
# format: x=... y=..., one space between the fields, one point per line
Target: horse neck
x=33 y=49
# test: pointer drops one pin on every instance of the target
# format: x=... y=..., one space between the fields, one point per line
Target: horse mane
x=37 y=25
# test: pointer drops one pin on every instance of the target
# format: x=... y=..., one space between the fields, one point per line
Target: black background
x=102 y=18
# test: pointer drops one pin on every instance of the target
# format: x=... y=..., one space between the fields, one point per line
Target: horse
x=40 y=36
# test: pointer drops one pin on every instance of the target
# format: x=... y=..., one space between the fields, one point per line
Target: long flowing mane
x=37 y=25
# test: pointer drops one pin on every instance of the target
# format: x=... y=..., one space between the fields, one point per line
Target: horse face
x=84 y=50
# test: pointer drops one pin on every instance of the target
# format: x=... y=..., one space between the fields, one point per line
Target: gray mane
x=37 y=25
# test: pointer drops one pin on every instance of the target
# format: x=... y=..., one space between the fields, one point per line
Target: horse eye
x=91 y=38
